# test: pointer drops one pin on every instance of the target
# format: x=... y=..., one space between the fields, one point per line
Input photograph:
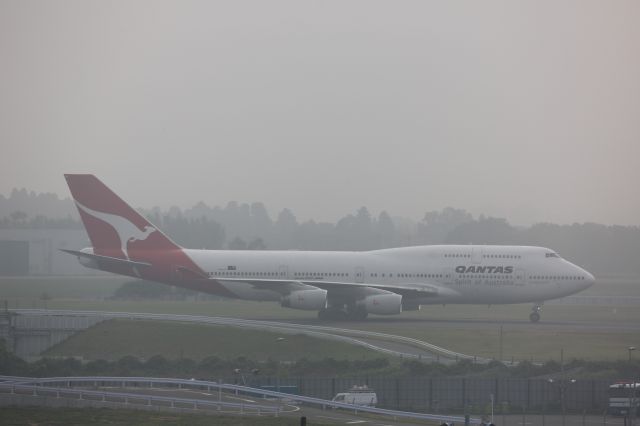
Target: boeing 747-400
x=337 y=284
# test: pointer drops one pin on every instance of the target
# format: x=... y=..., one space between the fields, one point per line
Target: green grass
x=521 y=340
x=114 y=339
x=475 y=330
x=533 y=343
x=224 y=308
x=38 y=416
x=471 y=329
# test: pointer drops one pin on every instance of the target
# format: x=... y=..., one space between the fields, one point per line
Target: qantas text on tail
x=336 y=284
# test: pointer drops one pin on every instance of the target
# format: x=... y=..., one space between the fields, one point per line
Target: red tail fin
x=115 y=229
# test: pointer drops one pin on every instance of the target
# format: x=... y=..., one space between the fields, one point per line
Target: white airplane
x=338 y=284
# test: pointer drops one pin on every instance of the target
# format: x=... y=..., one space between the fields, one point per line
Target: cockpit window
x=552 y=254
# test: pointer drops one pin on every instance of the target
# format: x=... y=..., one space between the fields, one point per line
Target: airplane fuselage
x=474 y=274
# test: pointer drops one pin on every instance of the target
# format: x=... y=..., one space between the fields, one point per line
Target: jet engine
x=382 y=304
x=312 y=300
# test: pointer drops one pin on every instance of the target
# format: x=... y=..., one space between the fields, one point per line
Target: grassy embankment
x=114 y=339
x=32 y=416
x=468 y=329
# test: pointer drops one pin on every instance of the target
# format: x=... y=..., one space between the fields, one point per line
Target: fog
x=525 y=110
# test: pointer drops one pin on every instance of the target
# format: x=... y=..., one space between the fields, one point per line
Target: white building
x=45 y=258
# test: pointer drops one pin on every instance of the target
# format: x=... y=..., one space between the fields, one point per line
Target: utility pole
x=633 y=403
x=500 y=352
x=562 y=385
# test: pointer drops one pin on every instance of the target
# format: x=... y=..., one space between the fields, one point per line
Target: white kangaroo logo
x=127 y=231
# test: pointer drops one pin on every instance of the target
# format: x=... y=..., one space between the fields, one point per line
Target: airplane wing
x=282 y=287
x=106 y=259
x=285 y=287
x=407 y=290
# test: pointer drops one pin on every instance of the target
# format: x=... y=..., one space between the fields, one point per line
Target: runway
x=524 y=324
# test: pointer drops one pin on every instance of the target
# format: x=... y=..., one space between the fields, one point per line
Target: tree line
x=602 y=249
x=213 y=367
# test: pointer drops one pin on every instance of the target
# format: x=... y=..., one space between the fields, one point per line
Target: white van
x=358 y=395
x=623 y=398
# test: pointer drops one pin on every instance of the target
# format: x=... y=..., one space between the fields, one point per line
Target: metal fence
x=459 y=394
x=60 y=385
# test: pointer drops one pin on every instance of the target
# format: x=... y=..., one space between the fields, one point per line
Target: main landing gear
x=332 y=314
x=337 y=313
x=535 y=315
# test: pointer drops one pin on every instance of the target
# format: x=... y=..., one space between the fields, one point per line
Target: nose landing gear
x=535 y=315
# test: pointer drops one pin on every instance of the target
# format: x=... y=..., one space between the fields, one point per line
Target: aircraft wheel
x=534 y=317
x=339 y=315
x=332 y=314
x=362 y=314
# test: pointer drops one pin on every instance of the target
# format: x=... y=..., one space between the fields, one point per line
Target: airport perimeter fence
x=434 y=395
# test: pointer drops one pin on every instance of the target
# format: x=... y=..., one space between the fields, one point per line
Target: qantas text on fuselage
x=337 y=284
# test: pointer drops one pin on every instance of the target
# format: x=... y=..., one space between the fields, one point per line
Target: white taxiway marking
x=295 y=408
x=351 y=422
x=329 y=417
x=241 y=399
x=205 y=393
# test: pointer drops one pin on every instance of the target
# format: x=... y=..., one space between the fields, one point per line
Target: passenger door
x=476 y=254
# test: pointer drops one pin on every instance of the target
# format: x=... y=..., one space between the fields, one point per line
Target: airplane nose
x=589 y=279
x=586 y=278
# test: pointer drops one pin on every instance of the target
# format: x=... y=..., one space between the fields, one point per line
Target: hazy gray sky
x=528 y=110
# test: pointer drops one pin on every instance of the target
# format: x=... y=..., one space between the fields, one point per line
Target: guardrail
x=126 y=398
x=67 y=382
